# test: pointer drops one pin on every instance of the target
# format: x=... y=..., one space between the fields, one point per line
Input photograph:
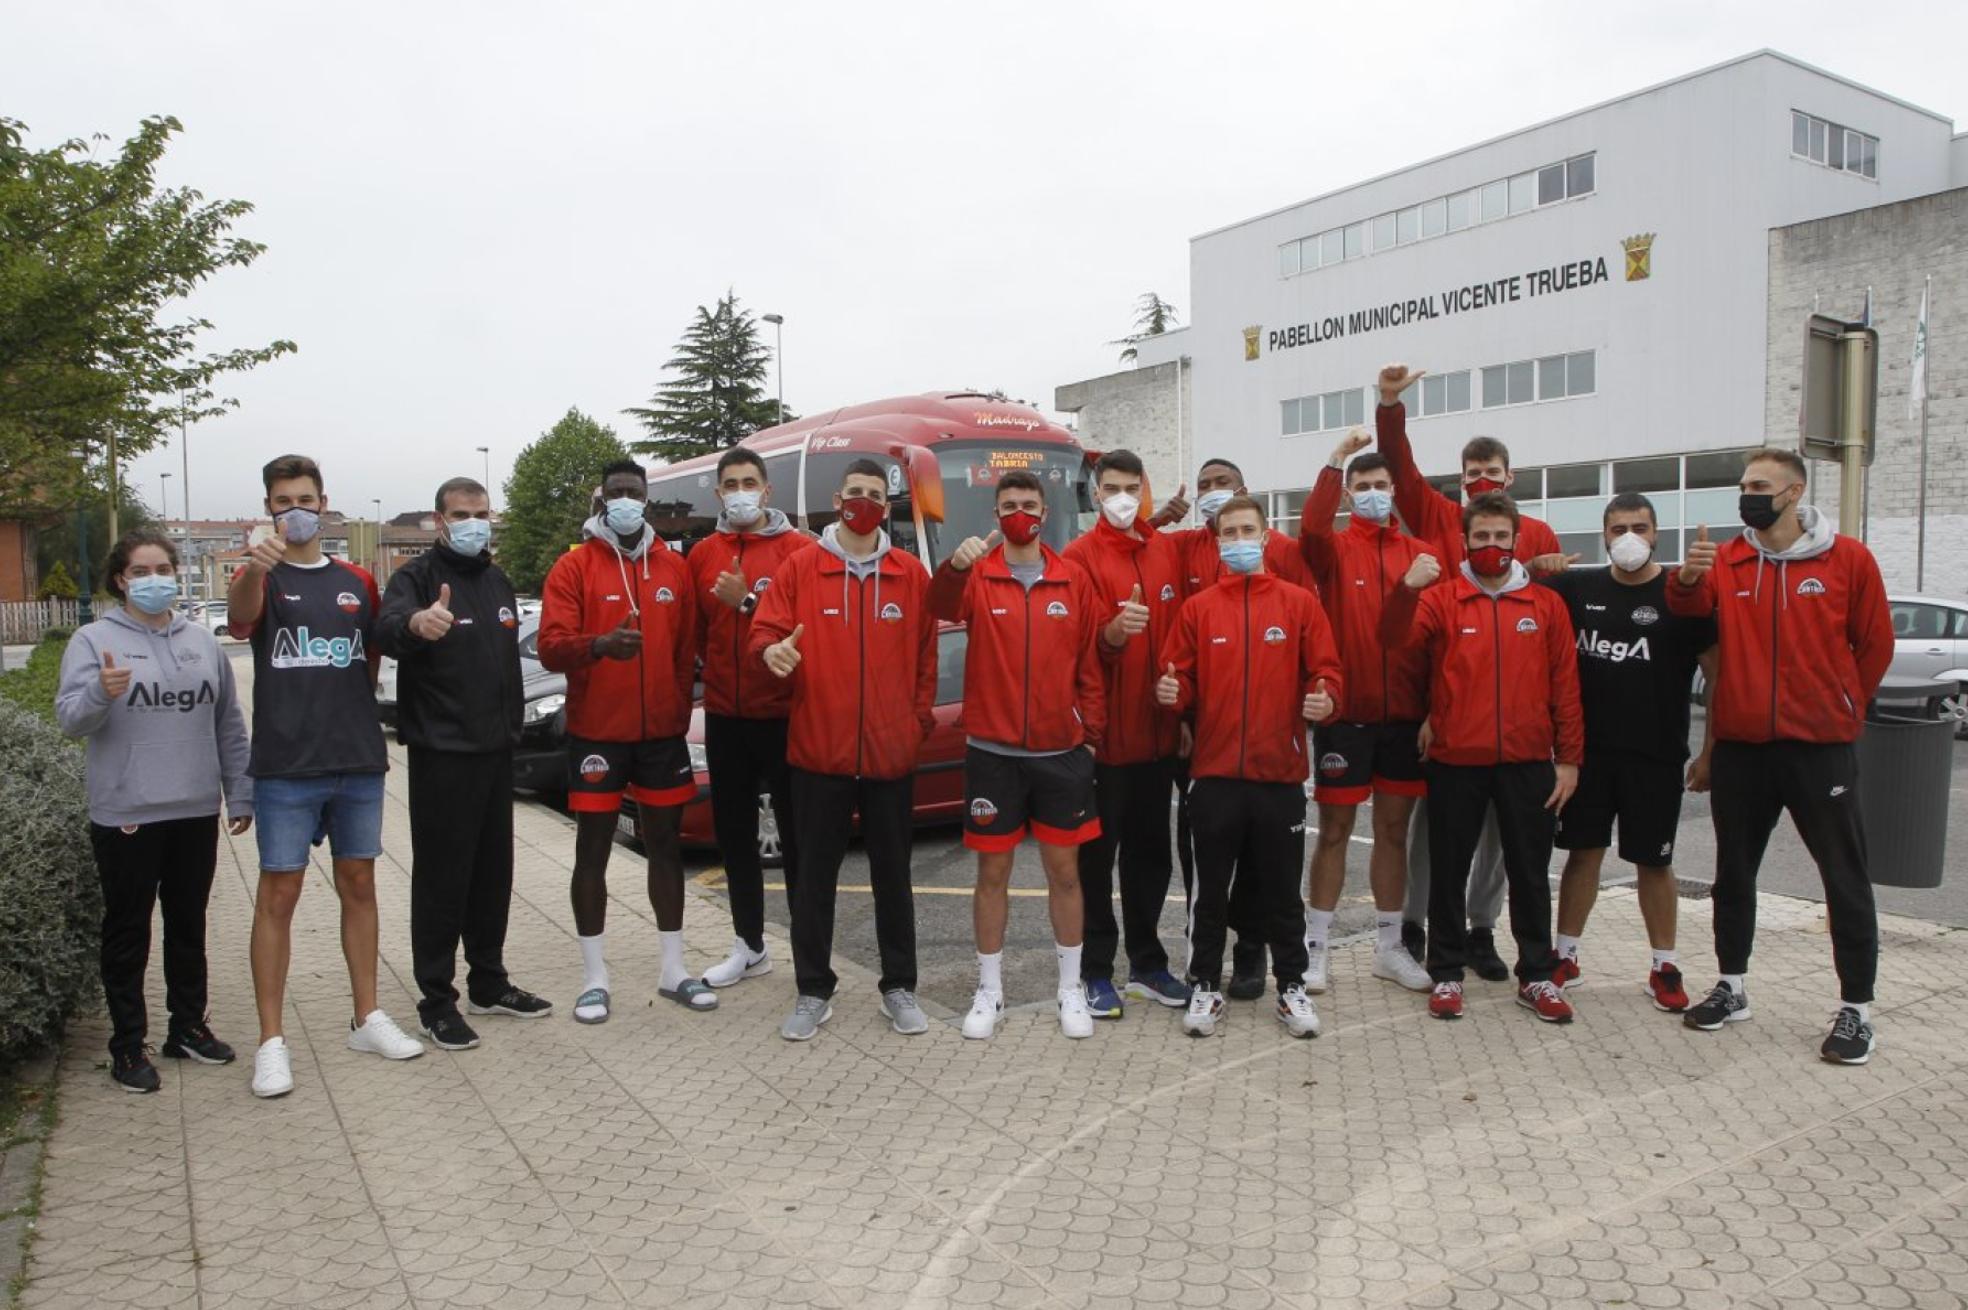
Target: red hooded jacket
x=1356 y=570
x=864 y=691
x=1195 y=551
x=1505 y=672
x=1434 y=517
x=1031 y=674
x=590 y=591
x=1247 y=651
x=1805 y=636
x=733 y=684
x=1116 y=562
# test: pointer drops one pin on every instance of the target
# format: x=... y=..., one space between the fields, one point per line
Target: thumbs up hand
x=1701 y=558
x=1168 y=689
x=1173 y=510
x=1131 y=621
x=115 y=681
x=782 y=657
x=1319 y=705
x=974 y=549
x=623 y=643
x=731 y=588
x=267 y=553
x=436 y=619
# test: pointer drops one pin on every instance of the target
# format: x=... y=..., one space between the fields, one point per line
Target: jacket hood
x=1520 y=578
x=1815 y=540
x=830 y=542
x=597 y=529
x=775 y=524
x=122 y=618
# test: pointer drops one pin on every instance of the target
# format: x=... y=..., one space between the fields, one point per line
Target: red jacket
x=1505 y=673
x=734 y=685
x=1804 y=640
x=589 y=591
x=1247 y=651
x=1116 y=562
x=863 y=693
x=1031 y=674
x=1355 y=571
x=1195 y=549
x=1434 y=517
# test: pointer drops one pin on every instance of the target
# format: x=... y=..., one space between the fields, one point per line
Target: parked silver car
x=1930 y=640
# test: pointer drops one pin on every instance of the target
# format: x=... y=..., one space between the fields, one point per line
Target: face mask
x=624 y=516
x=1210 y=502
x=1478 y=487
x=153 y=594
x=1241 y=556
x=1373 y=506
x=743 y=508
x=862 y=514
x=1489 y=561
x=1758 y=512
x=299 y=525
x=1630 y=552
x=1020 y=528
x=469 y=537
x=1120 y=510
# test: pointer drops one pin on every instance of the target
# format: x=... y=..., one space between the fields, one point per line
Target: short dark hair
x=1121 y=461
x=614 y=466
x=461 y=487
x=865 y=468
x=1790 y=459
x=1236 y=503
x=1481 y=450
x=1626 y=501
x=285 y=468
x=126 y=546
x=1021 y=480
x=1491 y=505
x=1367 y=463
x=1225 y=463
x=740 y=455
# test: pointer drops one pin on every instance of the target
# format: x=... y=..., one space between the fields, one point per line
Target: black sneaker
x=516 y=1003
x=450 y=1032
x=1483 y=957
x=1851 y=1038
x=198 y=1044
x=1415 y=938
x=134 y=1072
x=1246 y=972
x=1723 y=1004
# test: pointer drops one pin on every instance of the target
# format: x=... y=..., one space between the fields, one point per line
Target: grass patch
x=33 y=685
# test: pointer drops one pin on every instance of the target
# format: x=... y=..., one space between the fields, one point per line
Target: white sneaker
x=273 y=1068
x=1075 y=1015
x=1315 y=966
x=1297 y=1014
x=741 y=964
x=1398 y=967
x=379 y=1035
x=1205 y=1008
x=986 y=1013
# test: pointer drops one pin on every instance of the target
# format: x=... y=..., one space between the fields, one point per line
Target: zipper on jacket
x=1025 y=739
x=861 y=672
x=1496 y=641
x=1142 y=583
x=1386 y=659
x=1243 y=728
x=737 y=643
x=1776 y=637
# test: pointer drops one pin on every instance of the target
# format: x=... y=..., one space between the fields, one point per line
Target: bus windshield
x=970 y=478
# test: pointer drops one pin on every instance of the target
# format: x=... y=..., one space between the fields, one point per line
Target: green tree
x=93 y=256
x=57 y=543
x=716 y=394
x=1152 y=317
x=548 y=496
x=56 y=583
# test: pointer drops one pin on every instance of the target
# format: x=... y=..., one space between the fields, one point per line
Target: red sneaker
x=1665 y=986
x=1545 y=1001
x=1446 y=1002
x=1564 y=970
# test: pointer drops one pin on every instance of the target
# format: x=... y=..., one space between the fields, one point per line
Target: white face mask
x=743 y=508
x=1630 y=552
x=1120 y=510
x=1211 y=501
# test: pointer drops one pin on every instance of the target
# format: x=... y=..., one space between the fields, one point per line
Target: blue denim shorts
x=292 y=814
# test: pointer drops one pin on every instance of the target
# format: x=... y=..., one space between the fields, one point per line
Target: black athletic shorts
x=1049 y=795
x=1643 y=795
x=651 y=772
x=1355 y=760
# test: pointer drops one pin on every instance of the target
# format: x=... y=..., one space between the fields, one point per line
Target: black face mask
x=1758 y=511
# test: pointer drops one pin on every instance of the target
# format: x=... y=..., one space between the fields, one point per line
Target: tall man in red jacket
x=618 y=617
x=1371 y=747
x=1036 y=710
x=847 y=626
x=745 y=707
x=1437 y=520
x=1254 y=658
x=1135 y=572
x=1509 y=734
x=1805 y=637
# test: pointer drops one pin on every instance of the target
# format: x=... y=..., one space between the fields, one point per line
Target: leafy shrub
x=33 y=685
x=50 y=901
x=58 y=585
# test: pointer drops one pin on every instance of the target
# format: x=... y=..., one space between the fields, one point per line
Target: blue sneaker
x=1161 y=987
x=1103 y=1002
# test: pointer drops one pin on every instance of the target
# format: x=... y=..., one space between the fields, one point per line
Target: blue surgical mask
x=1374 y=506
x=469 y=537
x=152 y=594
x=1242 y=556
x=1210 y=502
x=298 y=525
x=624 y=514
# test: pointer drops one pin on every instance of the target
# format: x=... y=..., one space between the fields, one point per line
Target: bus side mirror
x=925 y=481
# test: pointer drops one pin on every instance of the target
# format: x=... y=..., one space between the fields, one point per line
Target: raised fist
x=1423 y=573
x=1352 y=444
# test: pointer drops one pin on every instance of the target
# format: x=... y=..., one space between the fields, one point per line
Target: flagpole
x=1920 y=524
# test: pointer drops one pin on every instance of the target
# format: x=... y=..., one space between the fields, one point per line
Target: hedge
x=32 y=686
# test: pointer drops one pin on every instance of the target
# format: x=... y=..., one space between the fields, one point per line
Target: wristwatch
x=747 y=605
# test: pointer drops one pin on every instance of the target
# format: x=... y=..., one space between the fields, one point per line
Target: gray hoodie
x=177 y=736
x=1814 y=541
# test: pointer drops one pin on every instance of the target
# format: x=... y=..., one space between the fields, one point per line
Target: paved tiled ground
x=669 y=1158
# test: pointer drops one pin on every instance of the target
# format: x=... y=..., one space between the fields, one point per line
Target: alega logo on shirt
x=297 y=648
x=1591 y=643
x=149 y=696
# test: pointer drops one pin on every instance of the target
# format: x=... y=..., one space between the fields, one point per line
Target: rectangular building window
x=1383 y=232
x=1334 y=404
x=1459 y=211
x=1496 y=200
x=1523 y=192
x=1715 y=468
x=1458 y=388
x=1647 y=475
x=1528 y=486
x=1493 y=387
x=1572 y=480
x=1288 y=259
x=1290 y=418
x=1551 y=184
x=1581 y=374
x=1356 y=406
x=1521 y=382
x=1356 y=240
x=1818 y=134
x=1332 y=247
x=1407 y=225
x=1434 y=218
x=1551 y=377
x=1579 y=180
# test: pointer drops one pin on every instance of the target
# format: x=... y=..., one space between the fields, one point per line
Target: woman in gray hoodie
x=154 y=696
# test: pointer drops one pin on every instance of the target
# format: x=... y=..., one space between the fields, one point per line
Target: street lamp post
x=164 y=502
x=376 y=562
x=486 y=451
x=778 y=322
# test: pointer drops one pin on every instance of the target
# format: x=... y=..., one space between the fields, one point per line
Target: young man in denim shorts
x=318 y=756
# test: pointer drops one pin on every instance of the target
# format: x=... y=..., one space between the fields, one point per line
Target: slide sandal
x=586 y=1000
x=691 y=993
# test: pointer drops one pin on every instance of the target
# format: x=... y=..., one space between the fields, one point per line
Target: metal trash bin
x=1906 y=764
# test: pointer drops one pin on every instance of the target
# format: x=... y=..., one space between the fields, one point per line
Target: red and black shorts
x=1007 y=795
x=651 y=772
x=1351 y=761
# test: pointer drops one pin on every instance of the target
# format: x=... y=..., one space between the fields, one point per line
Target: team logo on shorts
x=1273 y=636
x=507 y=617
x=1645 y=615
x=983 y=810
x=1332 y=764
x=349 y=603
x=1527 y=625
x=1057 y=610
x=1168 y=592
x=594 y=768
x=1810 y=587
x=664 y=596
x=891 y=612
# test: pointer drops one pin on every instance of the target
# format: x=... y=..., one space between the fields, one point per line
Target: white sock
x=594 y=968
x=674 y=974
x=1318 y=923
x=1568 y=947
x=1387 y=929
x=1069 y=966
x=1734 y=982
x=990 y=973
x=1865 y=1010
x=1663 y=957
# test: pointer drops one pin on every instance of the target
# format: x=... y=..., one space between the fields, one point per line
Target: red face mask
x=1479 y=486
x=1020 y=528
x=862 y=514
x=1489 y=561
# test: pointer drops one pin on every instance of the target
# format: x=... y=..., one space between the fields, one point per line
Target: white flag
x=1917 y=379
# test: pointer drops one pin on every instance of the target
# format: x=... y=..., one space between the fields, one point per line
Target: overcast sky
x=480 y=214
